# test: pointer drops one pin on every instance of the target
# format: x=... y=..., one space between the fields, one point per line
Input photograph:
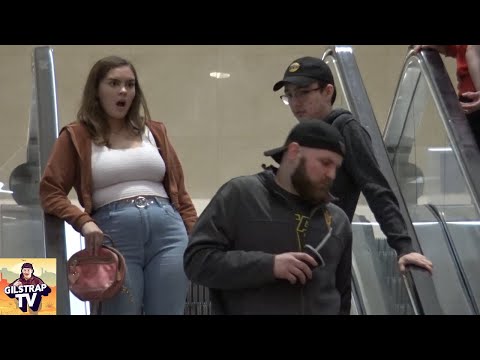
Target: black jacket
x=360 y=173
x=232 y=247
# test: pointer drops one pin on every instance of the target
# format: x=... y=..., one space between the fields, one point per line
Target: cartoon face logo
x=28 y=289
x=294 y=67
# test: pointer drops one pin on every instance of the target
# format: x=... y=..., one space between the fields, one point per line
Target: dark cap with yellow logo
x=304 y=71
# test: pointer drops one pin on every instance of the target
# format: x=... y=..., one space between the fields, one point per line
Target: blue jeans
x=152 y=237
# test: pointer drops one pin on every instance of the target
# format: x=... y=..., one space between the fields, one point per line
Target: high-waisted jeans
x=152 y=237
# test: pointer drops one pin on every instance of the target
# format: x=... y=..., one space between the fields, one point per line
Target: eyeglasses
x=300 y=95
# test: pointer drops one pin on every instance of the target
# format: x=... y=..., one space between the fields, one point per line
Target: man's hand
x=93 y=237
x=294 y=266
x=415 y=259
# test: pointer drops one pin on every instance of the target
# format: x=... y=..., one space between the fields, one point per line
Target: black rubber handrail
x=455 y=256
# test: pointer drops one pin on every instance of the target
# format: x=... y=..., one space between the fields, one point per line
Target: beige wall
x=219 y=127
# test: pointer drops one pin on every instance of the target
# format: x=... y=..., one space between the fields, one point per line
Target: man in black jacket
x=274 y=243
x=310 y=92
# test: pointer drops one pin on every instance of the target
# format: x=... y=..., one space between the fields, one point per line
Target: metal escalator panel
x=48 y=120
x=21 y=225
x=351 y=94
x=437 y=163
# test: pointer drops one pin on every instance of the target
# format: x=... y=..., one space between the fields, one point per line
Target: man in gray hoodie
x=310 y=93
x=274 y=243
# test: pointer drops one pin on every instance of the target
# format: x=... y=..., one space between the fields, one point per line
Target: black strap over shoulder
x=342 y=120
x=346 y=118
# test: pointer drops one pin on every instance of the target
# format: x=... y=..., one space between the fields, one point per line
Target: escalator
x=383 y=290
x=433 y=175
x=427 y=129
x=25 y=232
x=377 y=286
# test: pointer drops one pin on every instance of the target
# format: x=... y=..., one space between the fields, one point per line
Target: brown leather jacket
x=70 y=166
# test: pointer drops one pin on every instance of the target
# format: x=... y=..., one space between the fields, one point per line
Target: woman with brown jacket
x=130 y=183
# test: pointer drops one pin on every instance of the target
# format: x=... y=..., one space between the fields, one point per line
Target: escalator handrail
x=360 y=106
x=455 y=256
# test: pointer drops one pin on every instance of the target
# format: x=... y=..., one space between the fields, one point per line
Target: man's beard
x=306 y=189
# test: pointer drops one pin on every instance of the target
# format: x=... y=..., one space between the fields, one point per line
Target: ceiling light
x=440 y=149
x=219 y=75
x=4 y=191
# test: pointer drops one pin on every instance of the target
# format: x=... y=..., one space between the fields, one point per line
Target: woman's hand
x=93 y=237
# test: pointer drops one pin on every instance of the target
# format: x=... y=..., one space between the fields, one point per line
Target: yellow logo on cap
x=294 y=67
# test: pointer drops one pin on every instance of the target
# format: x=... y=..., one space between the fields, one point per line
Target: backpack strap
x=342 y=120
x=345 y=118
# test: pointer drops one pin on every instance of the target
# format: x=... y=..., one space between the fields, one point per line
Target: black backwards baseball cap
x=302 y=72
x=27 y=265
x=314 y=134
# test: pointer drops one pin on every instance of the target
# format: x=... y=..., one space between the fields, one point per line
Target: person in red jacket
x=468 y=79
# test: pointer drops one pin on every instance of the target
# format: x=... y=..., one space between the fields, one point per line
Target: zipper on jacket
x=300 y=243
